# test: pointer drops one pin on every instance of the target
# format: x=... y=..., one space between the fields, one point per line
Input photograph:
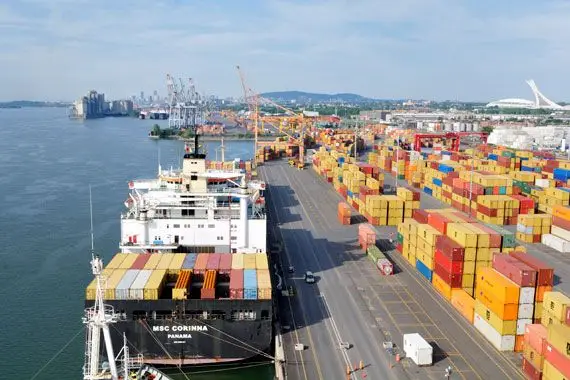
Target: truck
x=417 y=349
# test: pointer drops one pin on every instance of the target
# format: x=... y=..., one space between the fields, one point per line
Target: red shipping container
x=531 y=373
x=399 y=247
x=140 y=261
x=492 y=212
x=535 y=336
x=438 y=221
x=545 y=274
x=494 y=237
x=452 y=279
x=236 y=284
x=225 y=263
x=450 y=248
x=213 y=261
x=515 y=270
x=201 y=262
x=562 y=223
x=453 y=267
x=420 y=216
x=559 y=361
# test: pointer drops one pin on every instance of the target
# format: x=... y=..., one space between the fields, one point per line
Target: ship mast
x=98 y=318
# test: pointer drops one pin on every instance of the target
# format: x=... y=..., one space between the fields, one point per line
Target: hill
x=310 y=97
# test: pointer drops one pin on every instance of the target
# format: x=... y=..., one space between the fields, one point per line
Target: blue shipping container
x=427 y=190
x=492 y=156
x=446 y=153
x=189 y=261
x=526 y=169
x=444 y=168
x=250 y=284
x=341 y=160
x=436 y=181
x=421 y=267
x=561 y=174
x=502 y=190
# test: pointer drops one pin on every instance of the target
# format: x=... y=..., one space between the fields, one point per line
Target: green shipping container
x=374 y=253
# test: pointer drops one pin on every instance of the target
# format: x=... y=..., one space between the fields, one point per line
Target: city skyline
x=418 y=49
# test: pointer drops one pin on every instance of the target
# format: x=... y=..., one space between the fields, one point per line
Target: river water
x=46 y=165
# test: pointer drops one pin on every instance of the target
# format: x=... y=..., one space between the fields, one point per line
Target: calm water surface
x=46 y=165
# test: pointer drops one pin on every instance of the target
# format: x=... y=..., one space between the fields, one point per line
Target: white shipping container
x=526 y=295
x=501 y=342
x=540 y=182
x=560 y=232
x=122 y=290
x=524 y=229
x=136 y=291
x=526 y=310
x=556 y=243
x=521 y=324
x=417 y=349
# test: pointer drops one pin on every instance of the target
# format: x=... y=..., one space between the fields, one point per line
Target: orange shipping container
x=561 y=212
x=441 y=286
x=493 y=283
x=464 y=303
x=506 y=312
x=540 y=290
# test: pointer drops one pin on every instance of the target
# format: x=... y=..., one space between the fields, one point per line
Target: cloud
x=439 y=49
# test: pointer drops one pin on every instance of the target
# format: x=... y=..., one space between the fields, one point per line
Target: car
x=309 y=277
x=291 y=269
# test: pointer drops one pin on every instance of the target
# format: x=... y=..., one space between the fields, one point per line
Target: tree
x=487 y=129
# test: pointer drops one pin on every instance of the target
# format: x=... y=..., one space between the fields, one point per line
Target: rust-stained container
x=154 y=284
x=464 y=303
x=535 y=337
x=249 y=261
x=140 y=261
x=225 y=263
x=515 y=270
x=165 y=260
x=153 y=261
x=180 y=290
x=549 y=372
x=176 y=263
x=208 y=291
x=540 y=291
x=497 y=285
x=237 y=260
x=559 y=361
x=545 y=274
x=450 y=248
x=116 y=261
x=236 y=284
x=556 y=304
x=201 y=263
x=261 y=261
x=213 y=261
x=530 y=371
x=559 y=338
x=128 y=261
x=263 y=284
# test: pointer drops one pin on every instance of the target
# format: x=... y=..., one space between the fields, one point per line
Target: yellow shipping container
x=441 y=286
x=549 y=372
x=249 y=261
x=561 y=212
x=428 y=233
x=508 y=327
x=91 y=290
x=556 y=303
x=462 y=235
x=165 y=260
x=237 y=260
x=129 y=260
x=532 y=356
x=494 y=283
x=464 y=303
x=559 y=338
x=261 y=261
x=153 y=261
x=154 y=284
x=263 y=284
x=176 y=263
x=116 y=261
x=112 y=282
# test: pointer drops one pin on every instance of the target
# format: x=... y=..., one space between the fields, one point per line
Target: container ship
x=191 y=283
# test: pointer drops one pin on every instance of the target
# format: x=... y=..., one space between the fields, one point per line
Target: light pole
x=397 y=162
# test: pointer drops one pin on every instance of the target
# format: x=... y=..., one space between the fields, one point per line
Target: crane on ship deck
x=253 y=99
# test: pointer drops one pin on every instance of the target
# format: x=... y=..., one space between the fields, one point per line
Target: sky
x=473 y=50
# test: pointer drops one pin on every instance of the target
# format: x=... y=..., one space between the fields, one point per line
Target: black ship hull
x=171 y=332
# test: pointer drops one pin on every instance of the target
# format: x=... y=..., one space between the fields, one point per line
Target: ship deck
x=352 y=302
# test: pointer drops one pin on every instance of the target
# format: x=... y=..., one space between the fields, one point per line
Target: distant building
x=540 y=101
x=93 y=106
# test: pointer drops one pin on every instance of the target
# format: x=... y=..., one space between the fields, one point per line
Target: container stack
x=182 y=286
x=263 y=284
x=208 y=291
x=556 y=320
x=366 y=236
x=389 y=210
x=559 y=236
x=530 y=228
x=343 y=213
x=533 y=354
x=449 y=257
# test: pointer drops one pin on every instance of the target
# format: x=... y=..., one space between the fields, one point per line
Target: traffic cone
x=347 y=370
x=361 y=365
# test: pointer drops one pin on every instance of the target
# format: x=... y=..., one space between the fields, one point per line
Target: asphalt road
x=352 y=302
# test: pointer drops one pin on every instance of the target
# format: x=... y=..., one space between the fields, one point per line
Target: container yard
x=180 y=276
x=477 y=253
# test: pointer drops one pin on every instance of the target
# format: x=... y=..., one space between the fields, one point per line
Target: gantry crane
x=454 y=137
x=253 y=99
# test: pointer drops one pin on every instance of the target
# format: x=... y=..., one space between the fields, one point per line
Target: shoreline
x=217 y=138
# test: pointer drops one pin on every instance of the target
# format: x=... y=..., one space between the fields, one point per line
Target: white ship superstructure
x=195 y=210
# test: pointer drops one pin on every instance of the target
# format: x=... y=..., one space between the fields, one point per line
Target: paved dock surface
x=352 y=302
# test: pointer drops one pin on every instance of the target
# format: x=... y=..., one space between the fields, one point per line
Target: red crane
x=454 y=137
